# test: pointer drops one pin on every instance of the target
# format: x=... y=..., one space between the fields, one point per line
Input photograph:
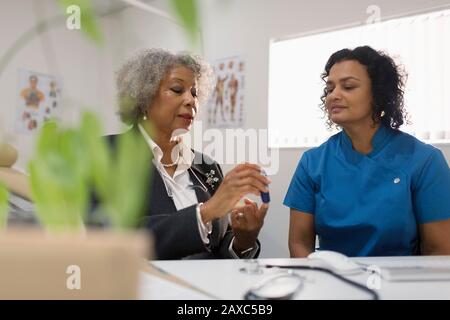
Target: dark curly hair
x=388 y=81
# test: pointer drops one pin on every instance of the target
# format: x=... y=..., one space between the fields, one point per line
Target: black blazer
x=175 y=232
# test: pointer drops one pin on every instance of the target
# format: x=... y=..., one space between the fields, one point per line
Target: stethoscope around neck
x=192 y=186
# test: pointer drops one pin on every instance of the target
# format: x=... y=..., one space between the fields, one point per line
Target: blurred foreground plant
x=70 y=165
x=4 y=195
x=187 y=13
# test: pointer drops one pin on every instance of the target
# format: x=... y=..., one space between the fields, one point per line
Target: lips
x=336 y=108
x=186 y=116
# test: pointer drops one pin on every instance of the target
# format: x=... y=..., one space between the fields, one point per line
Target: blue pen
x=265 y=196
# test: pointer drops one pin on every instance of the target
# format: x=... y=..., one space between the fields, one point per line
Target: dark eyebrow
x=344 y=79
x=349 y=78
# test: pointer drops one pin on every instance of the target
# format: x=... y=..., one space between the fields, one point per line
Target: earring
x=145 y=116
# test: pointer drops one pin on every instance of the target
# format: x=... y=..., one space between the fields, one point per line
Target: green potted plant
x=64 y=258
x=68 y=166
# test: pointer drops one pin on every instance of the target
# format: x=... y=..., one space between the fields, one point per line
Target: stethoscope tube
x=355 y=284
x=198 y=179
x=193 y=186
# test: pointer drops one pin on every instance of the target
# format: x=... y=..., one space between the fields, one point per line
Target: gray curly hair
x=139 y=78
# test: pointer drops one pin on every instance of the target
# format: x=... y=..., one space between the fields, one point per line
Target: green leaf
x=98 y=152
x=70 y=164
x=4 y=208
x=88 y=18
x=58 y=174
x=129 y=182
x=186 y=10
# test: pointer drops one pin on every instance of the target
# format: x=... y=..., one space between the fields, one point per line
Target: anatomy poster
x=226 y=106
x=39 y=98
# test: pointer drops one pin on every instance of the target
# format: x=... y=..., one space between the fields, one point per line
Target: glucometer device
x=265 y=196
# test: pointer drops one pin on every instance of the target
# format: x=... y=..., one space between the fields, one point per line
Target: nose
x=190 y=100
x=334 y=95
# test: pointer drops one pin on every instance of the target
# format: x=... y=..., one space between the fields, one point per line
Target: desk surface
x=222 y=279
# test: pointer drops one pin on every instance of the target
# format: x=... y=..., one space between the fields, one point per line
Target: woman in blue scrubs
x=371 y=189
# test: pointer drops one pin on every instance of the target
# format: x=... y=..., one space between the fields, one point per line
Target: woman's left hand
x=246 y=222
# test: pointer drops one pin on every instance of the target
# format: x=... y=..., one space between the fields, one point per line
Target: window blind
x=420 y=43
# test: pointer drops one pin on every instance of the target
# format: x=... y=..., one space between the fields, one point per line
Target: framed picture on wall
x=39 y=98
x=226 y=105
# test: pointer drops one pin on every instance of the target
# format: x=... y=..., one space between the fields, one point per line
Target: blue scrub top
x=371 y=205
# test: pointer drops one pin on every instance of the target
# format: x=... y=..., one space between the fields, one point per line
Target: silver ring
x=240 y=215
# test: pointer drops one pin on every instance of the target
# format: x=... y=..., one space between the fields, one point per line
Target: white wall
x=87 y=70
x=59 y=51
x=127 y=31
x=245 y=27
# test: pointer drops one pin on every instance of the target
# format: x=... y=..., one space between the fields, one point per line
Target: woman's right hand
x=243 y=179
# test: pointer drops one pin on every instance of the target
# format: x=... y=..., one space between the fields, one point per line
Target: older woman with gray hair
x=190 y=203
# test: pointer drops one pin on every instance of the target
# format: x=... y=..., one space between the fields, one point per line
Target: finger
x=234 y=214
x=263 y=211
x=250 y=216
x=258 y=181
x=247 y=189
x=248 y=201
x=247 y=165
x=234 y=222
x=237 y=209
x=253 y=173
x=257 y=216
x=254 y=183
x=240 y=209
x=249 y=210
x=251 y=203
x=238 y=220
